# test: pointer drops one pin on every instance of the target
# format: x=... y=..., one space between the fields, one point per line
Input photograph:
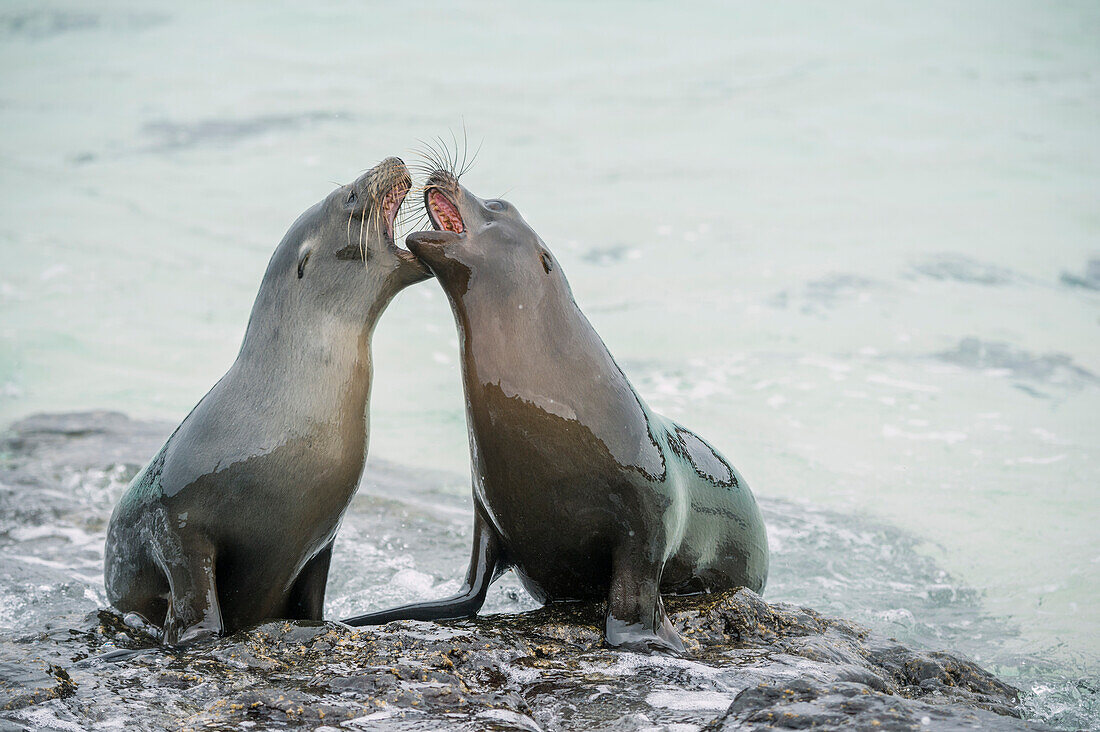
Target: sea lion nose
x=392 y=163
x=386 y=174
x=442 y=178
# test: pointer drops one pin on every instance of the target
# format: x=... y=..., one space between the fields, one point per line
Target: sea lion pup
x=578 y=486
x=232 y=522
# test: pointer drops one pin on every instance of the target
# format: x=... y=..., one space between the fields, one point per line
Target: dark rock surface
x=750 y=664
x=784 y=666
x=29 y=681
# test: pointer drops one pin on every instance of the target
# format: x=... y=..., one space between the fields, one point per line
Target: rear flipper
x=636 y=618
x=484 y=562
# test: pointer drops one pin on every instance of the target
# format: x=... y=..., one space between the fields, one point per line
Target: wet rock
x=766 y=664
x=81 y=440
x=67 y=665
x=28 y=681
x=809 y=704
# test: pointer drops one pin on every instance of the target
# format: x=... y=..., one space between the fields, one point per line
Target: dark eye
x=547 y=263
x=494 y=205
x=352 y=198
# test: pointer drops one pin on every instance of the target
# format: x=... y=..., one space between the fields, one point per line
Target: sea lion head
x=481 y=244
x=338 y=264
x=343 y=248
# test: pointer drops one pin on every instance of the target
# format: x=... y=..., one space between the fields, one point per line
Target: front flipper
x=307 y=596
x=636 y=618
x=484 y=564
x=194 y=612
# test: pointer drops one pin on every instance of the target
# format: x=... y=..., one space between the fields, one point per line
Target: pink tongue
x=445 y=212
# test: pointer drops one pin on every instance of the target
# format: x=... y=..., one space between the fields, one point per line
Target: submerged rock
x=1052 y=369
x=1089 y=280
x=25 y=682
x=959 y=268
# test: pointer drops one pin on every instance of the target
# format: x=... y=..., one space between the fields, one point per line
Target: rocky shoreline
x=750 y=664
x=545 y=669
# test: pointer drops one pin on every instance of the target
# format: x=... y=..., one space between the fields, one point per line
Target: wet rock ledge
x=749 y=664
x=546 y=669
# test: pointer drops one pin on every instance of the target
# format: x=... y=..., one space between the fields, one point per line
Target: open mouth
x=391 y=203
x=443 y=213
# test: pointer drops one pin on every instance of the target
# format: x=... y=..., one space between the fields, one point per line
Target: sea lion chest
x=563 y=474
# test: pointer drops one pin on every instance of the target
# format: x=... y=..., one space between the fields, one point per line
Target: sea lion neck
x=506 y=330
x=319 y=349
x=289 y=311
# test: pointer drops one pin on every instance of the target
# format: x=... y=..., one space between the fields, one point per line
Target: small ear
x=303 y=256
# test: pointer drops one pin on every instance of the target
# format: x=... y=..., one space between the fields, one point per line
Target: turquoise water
x=854 y=245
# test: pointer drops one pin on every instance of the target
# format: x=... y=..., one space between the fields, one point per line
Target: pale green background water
x=831 y=237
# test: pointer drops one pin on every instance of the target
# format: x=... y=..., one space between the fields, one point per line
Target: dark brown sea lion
x=578 y=486
x=232 y=522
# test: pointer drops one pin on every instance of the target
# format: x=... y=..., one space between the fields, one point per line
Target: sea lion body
x=232 y=522
x=578 y=486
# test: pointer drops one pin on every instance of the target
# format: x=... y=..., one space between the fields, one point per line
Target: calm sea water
x=855 y=245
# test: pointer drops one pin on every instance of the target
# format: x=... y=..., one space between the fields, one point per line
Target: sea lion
x=232 y=522
x=578 y=486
